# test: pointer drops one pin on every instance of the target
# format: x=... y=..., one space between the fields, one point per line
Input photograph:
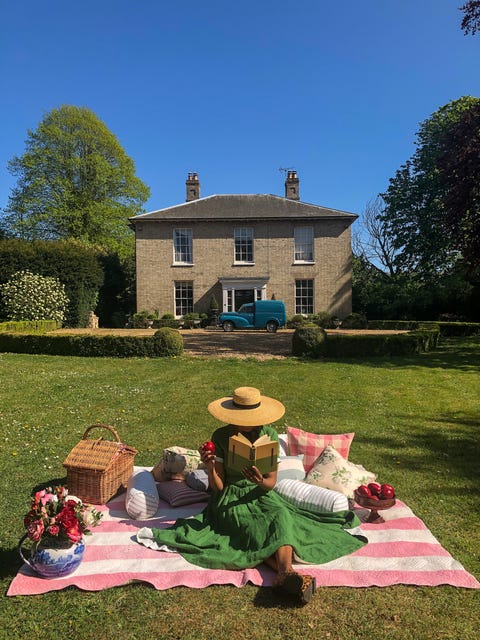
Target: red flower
x=74 y=533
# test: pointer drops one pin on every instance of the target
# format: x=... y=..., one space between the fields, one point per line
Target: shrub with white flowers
x=29 y=296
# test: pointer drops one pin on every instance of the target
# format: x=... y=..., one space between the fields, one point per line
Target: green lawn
x=417 y=426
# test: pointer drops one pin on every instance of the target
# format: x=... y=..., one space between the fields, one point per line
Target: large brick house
x=240 y=248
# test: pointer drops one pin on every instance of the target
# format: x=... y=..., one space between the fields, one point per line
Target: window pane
x=183 y=298
x=182 y=239
x=304 y=296
x=243 y=244
x=304 y=244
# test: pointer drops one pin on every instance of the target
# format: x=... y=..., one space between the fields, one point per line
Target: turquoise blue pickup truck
x=263 y=314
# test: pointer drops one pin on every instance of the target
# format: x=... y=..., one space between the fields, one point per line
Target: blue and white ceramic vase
x=53 y=557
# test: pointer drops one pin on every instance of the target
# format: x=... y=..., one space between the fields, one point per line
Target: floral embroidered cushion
x=175 y=461
x=313 y=444
x=332 y=471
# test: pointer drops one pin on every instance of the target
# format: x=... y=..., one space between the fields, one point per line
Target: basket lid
x=96 y=455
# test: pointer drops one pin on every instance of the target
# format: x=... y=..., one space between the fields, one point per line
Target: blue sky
x=238 y=90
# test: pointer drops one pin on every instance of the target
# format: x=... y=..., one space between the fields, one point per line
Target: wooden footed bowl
x=374 y=505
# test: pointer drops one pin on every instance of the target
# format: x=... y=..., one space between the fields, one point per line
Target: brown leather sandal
x=295 y=584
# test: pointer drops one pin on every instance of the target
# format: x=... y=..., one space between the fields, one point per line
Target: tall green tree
x=74 y=181
x=426 y=206
x=471 y=17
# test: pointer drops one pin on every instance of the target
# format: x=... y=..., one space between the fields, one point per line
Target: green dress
x=243 y=524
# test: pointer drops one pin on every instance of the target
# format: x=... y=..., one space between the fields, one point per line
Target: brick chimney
x=292 y=186
x=193 y=187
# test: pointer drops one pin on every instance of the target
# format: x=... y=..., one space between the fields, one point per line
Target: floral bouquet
x=56 y=515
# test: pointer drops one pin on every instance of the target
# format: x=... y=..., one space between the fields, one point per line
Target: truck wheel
x=228 y=326
x=271 y=326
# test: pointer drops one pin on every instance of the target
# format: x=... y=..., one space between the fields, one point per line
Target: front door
x=243 y=296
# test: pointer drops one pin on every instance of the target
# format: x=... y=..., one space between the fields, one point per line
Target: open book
x=262 y=453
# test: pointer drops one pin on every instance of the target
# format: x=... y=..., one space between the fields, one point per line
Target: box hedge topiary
x=165 y=342
x=168 y=342
x=309 y=342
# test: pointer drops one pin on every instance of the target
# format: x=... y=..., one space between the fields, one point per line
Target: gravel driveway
x=216 y=342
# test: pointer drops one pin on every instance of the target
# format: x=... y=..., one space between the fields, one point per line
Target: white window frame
x=304 y=244
x=304 y=299
x=243 y=245
x=183 y=297
x=182 y=246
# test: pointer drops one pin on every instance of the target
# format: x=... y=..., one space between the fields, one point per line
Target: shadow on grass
x=54 y=482
x=462 y=354
x=453 y=441
x=10 y=562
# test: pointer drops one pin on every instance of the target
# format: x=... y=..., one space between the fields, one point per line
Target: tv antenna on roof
x=286 y=170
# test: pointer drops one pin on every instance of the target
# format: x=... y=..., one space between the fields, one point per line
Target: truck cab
x=262 y=314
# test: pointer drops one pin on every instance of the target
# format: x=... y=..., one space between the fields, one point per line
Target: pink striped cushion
x=313 y=444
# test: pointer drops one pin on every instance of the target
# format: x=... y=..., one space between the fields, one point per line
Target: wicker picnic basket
x=98 y=469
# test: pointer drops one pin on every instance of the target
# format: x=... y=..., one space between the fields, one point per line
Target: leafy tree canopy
x=471 y=17
x=432 y=204
x=74 y=181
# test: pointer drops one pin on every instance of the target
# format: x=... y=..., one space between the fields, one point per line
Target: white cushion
x=283 y=444
x=332 y=471
x=290 y=467
x=142 y=499
x=310 y=497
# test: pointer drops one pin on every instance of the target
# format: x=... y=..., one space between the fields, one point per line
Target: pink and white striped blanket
x=400 y=551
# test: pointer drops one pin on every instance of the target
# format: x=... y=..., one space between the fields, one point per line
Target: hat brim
x=269 y=411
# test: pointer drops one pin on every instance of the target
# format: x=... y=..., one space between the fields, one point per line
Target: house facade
x=240 y=248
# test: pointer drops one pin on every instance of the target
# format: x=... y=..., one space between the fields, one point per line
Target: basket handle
x=101 y=426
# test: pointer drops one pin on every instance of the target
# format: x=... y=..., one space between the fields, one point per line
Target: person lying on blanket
x=245 y=522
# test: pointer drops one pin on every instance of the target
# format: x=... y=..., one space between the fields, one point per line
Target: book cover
x=263 y=453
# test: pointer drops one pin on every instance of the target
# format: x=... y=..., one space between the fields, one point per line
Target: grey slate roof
x=244 y=207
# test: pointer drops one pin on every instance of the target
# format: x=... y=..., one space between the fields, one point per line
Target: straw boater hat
x=247 y=408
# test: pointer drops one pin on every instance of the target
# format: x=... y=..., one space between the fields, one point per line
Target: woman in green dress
x=245 y=522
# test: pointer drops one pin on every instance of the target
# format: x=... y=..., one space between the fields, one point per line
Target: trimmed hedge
x=365 y=346
x=164 y=342
x=309 y=342
x=446 y=328
x=28 y=326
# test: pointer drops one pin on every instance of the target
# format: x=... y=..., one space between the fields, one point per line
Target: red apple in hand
x=375 y=488
x=363 y=490
x=208 y=446
x=387 y=492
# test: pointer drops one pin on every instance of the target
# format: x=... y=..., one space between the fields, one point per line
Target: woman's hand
x=267 y=482
x=207 y=457
x=254 y=475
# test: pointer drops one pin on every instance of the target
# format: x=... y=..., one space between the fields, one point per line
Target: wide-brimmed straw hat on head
x=247 y=408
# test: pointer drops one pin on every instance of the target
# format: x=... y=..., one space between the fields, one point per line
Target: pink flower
x=35 y=530
x=53 y=530
x=39 y=496
x=48 y=497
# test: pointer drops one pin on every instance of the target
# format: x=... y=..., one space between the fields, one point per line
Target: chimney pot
x=292 y=183
x=193 y=187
